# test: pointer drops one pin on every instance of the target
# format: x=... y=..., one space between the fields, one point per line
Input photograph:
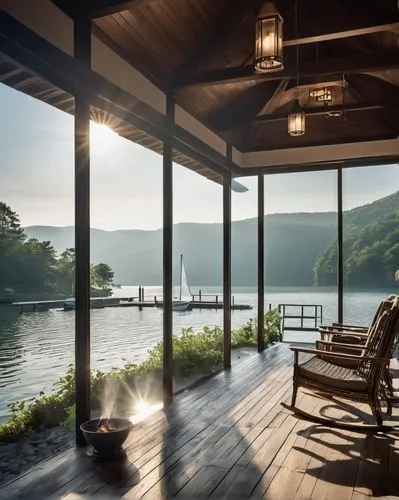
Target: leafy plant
x=193 y=353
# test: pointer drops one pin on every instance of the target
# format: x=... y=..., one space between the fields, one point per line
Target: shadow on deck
x=229 y=437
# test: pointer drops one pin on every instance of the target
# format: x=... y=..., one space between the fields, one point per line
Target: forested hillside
x=300 y=249
x=371 y=247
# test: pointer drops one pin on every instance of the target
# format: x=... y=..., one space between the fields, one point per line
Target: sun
x=102 y=137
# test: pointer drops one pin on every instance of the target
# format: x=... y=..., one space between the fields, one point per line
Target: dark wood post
x=168 y=254
x=340 y=251
x=82 y=52
x=227 y=262
x=261 y=263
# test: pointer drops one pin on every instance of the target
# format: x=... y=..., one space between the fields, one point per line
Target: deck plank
x=229 y=437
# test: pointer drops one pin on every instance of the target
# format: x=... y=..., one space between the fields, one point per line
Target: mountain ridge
x=293 y=244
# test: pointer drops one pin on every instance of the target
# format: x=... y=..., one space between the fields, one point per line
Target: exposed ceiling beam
x=319 y=111
x=254 y=98
x=329 y=34
x=273 y=103
x=324 y=67
x=236 y=12
x=100 y=8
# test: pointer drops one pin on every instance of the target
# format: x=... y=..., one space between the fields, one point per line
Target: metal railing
x=309 y=317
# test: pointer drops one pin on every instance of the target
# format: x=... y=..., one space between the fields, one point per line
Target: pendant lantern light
x=269 y=40
x=296 y=120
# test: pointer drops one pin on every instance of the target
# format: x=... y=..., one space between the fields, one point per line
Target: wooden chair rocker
x=363 y=384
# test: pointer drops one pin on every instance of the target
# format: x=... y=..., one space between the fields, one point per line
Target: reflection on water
x=36 y=348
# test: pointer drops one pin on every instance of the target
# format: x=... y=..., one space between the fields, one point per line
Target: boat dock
x=199 y=301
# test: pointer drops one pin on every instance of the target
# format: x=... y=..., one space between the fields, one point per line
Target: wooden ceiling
x=204 y=51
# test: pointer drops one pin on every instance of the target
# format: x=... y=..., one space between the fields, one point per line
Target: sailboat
x=184 y=291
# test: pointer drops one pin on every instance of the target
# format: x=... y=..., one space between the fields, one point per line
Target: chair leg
x=376 y=409
x=294 y=393
x=388 y=381
x=389 y=408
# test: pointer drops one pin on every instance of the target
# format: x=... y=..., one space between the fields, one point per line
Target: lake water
x=36 y=348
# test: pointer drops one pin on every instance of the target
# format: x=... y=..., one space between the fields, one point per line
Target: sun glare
x=102 y=137
x=143 y=410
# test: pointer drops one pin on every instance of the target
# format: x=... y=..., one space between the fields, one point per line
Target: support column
x=168 y=254
x=340 y=251
x=261 y=263
x=82 y=52
x=227 y=262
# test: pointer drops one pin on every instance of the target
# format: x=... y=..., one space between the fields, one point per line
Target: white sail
x=185 y=292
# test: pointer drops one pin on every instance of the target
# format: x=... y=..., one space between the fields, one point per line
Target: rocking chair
x=363 y=384
x=351 y=342
x=353 y=334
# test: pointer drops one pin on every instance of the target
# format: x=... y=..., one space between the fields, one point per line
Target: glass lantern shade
x=326 y=97
x=269 y=40
x=296 y=122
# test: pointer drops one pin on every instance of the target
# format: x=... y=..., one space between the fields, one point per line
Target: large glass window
x=371 y=239
x=198 y=275
x=300 y=237
x=36 y=235
x=126 y=269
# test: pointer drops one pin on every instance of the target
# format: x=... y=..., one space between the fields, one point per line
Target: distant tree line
x=30 y=266
x=371 y=255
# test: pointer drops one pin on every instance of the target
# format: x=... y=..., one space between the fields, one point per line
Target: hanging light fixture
x=296 y=119
x=326 y=97
x=321 y=94
x=269 y=40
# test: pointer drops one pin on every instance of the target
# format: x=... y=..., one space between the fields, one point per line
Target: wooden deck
x=230 y=438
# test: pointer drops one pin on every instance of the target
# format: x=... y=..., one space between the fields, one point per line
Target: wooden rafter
x=254 y=98
x=324 y=67
x=364 y=28
x=319 y=111
x=271 y=104
x=237 y=11
x=101 y=8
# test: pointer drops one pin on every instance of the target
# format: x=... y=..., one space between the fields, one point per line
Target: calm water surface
x=36 y=348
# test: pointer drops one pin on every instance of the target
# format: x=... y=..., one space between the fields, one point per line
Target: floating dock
x=102 y=302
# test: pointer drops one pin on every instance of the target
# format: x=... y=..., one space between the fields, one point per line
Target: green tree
x=101 y=276
x=66 y=270
x=11 y=241
x=40 y=265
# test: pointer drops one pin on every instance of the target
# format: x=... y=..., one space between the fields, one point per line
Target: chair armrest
x=307 y=350
x=350 y=334
x=347 y=325
x=341 y=331
x=339 y=344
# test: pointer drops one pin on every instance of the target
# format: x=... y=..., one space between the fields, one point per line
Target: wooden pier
x=197 y=302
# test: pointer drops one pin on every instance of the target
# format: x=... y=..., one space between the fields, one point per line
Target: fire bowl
x=109 y=442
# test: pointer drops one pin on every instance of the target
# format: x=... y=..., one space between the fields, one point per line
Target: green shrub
x=193 y=353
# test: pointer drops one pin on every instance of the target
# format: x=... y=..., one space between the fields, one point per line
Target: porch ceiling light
x=269 y=40
x=321 y=94
x=318 y=92
x=296 y=120
x=326 y=97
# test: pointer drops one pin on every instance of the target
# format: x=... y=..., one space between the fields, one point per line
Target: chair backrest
x=372 y=341
x=383 y=306
x=380 y=343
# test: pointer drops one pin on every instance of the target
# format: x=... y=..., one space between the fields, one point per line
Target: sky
x=36 y=177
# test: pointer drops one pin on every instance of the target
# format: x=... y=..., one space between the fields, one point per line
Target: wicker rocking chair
x=363 y=384
x=353 y=334
x=351 y=341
